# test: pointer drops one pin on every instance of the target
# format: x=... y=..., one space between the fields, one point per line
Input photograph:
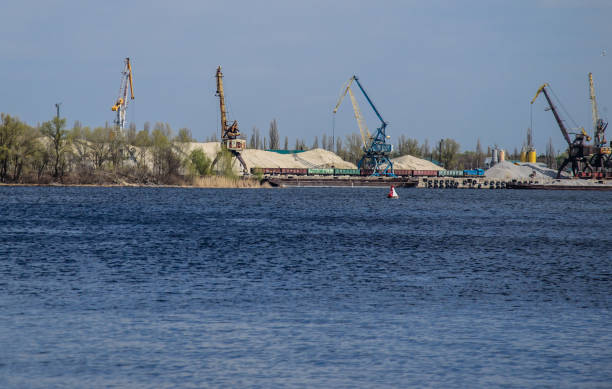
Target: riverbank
x=202 y=182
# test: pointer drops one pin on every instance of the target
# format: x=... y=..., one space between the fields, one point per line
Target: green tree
x=225 y=161
x=58 y=137
x=10 y=129
x=200 y=162
x=448 y=153
x=184 y=136
x=18 y=148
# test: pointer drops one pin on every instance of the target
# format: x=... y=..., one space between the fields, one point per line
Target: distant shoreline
x=201 y=183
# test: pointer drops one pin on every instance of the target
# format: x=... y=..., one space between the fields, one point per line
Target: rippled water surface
x=140 y=287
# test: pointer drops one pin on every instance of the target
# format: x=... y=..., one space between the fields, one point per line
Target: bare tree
x=54 y=130
x=274 y=136
x=315 y=144
x=479 y=154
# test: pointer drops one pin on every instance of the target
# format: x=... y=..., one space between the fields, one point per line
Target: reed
x=227 y=182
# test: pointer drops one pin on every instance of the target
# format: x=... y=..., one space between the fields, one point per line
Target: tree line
x=50 y=152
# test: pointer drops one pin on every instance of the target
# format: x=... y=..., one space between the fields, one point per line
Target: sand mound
x=409 y=162
x=509 y=171
x=317 y=158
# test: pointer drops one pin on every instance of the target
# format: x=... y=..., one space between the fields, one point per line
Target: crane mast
x=121 y=104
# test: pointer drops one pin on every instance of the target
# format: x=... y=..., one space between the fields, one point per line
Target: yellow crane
x=363 y=128
x=122 y=101
x=229 y=132
x=599 y=126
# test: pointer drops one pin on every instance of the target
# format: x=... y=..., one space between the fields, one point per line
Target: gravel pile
x=317 y=158
x=509 y=171
x=409 y=162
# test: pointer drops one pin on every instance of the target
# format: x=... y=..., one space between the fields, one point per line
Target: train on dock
x=363 y=172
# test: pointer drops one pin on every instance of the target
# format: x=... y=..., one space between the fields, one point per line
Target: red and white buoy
x=392 y=193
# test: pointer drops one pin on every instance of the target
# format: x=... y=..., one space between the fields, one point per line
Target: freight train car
x=425 y=173
x=346 y=172
x=402 y=172
x=266 y=170
x=473 y=173
x=450 y=173
x=294 y=171
x=320 y=172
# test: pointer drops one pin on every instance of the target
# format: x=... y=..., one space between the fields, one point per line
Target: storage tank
x=531 y=156
x=494 y=157
x=523 y=156
x=502 y=155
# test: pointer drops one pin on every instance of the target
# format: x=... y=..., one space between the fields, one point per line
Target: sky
x=435 y=69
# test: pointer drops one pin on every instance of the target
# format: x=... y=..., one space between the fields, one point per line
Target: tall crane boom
x=363 y=128
x=593 y=104
x=121 y=104
x=599 y=126
x=554 y=111
x=229 y=132
x=376 y=152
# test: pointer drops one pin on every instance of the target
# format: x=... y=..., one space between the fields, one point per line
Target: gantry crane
x=578 y=152
x=376 y=149
x=229 y=132
x=122 y=101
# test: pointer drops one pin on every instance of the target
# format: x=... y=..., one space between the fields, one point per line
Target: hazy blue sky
x=435 y=69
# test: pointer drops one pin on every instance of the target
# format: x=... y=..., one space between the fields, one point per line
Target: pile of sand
x=408 y=162
x=317 y=158
x=506 y=170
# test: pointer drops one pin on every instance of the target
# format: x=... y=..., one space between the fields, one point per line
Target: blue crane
x=377 y=151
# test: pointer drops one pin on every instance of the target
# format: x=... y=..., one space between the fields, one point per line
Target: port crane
x=599 y=126
x=601 y=161
x=121 y=104
x=230 y=135
x=580 y=154
x=376 y=149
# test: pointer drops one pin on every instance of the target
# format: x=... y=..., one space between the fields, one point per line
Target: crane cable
x=333 y=132
x=563 y=107
x=530 y=123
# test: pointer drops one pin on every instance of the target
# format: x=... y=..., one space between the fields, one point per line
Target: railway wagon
x=425 y=173
x=295 y=171
x=320 y=172
x=346 y=172
x=266 y=170
x=450 y=173
x=402 y=172
x=473 y=173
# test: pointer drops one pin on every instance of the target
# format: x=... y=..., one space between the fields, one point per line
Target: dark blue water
x=129 y=287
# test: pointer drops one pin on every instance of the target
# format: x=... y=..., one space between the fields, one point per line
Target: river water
x=305 y=287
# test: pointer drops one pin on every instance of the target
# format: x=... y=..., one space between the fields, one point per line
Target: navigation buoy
x=392 y=193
